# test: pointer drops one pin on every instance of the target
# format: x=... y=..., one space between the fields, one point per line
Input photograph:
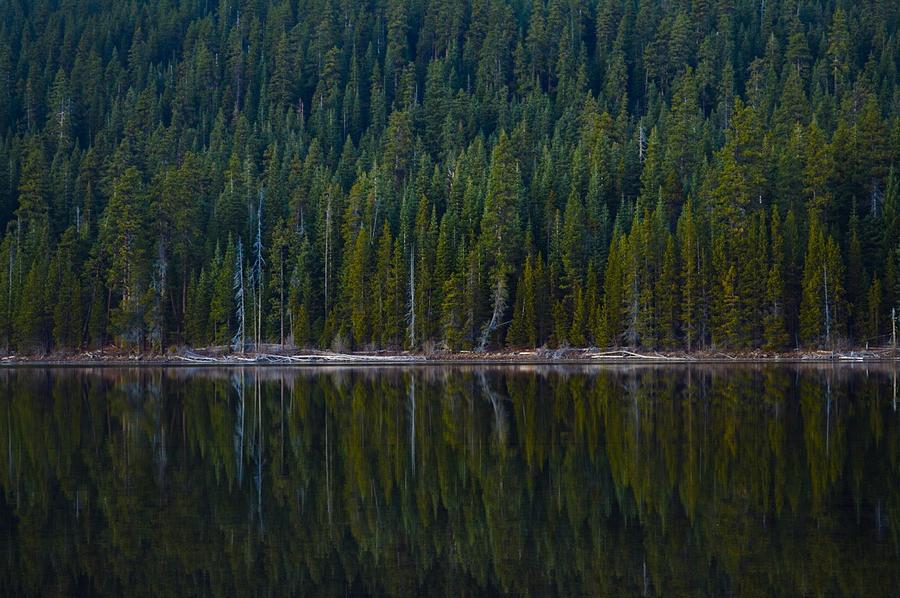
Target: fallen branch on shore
x=307 y=358
x=623 y=354
x=280 y=355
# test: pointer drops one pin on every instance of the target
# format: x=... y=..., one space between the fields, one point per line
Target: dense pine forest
x=428 y=174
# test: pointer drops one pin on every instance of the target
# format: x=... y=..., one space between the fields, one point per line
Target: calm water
x=737 y=480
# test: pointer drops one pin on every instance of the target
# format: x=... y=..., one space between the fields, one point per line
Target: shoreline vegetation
x=292 y=356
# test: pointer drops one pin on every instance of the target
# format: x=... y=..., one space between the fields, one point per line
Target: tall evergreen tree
x=500 y=227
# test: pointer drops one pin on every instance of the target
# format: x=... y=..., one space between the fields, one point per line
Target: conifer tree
x=500 y=225
x=873 y=303
x=821 y=311
x=222 y=300
x=33 y=187
x=358 y=285
x=453 y=307
x=577 y=331
x=392 y=325
x=198 y=310
x=668 y=296
x=775 y=330
x=614 y=292
x=516 y=334
x=857 y=285
x=31 y=322
x=67 y=311
x=279 y=283
x=689 y=243
x=124 y=244
x=300 y=295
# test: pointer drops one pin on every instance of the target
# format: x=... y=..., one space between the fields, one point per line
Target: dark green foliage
x=467 y=175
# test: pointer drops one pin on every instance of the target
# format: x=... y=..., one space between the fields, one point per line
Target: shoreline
x=217 y=357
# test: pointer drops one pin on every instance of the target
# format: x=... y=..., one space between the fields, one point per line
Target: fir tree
x=668 y=296
x=821 y=308
x=501 y=227
x=774 y=327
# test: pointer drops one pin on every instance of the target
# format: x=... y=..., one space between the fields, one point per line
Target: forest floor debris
x=277 y=355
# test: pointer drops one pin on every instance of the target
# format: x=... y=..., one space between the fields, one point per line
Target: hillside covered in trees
x=437 y=173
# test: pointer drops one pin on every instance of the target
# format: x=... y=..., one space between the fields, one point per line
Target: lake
x=566 y=480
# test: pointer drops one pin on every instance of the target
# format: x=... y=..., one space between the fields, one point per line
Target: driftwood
x=262 y=358
x=625 y=354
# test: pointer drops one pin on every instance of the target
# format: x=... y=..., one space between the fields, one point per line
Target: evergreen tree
x=821 y=311
x=358 y=285
x=500 y=225
x=125 y=246
x=67 y=311
x=31 y=322
x=221 y=302
x=692 y=271
x=668 y=296
x=775 y=329
x=33 y=187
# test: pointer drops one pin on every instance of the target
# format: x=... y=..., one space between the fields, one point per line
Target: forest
x=448 y=175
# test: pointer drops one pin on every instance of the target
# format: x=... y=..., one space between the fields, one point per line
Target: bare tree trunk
x=411 y=316
x=281 y=296
x=499 y=308
x=827 y=309
x=327 y=249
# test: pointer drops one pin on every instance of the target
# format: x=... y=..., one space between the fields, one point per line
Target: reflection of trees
x=637 y=480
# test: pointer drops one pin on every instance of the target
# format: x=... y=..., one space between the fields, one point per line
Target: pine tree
x=822 y=305
x=198 y=310
x=741 y=174
x=380 y=284
x=667 y=295
x=221 y=305
x=577 y=331
x=727 y=333
x=541 y=285
x=891 y=287
x=688 y=236
x=839 y=50
x=818 y=168
x=67 y=311
x=300 y=295
x=500 y=226
x=726 y=301
x=358 y=285
x=873 y=324
x=31 y=324
x=614 y=292
x=279 y=283
x=33 y=187
x=124 y=242
x=453 y=306
x=99 y=309
x=774 y=327
x=7 y=284
x=392 y=325
x=857 y=285
x=515 y=336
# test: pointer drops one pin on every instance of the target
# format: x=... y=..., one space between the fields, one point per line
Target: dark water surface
x=645 y=481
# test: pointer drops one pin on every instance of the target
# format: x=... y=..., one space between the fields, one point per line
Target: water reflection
x=626 y=481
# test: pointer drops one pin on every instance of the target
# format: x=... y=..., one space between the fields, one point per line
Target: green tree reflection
x=630 y=480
